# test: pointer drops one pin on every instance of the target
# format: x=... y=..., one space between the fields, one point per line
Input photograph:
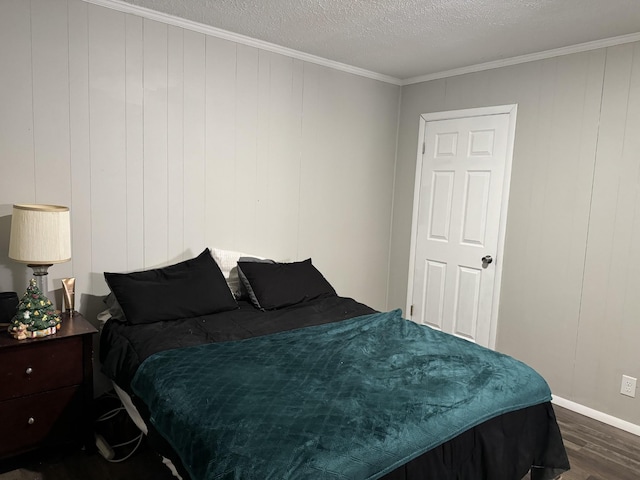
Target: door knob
x=486 y=260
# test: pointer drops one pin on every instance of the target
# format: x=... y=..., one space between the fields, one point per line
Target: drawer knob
x=31 y=421
x=29 y=370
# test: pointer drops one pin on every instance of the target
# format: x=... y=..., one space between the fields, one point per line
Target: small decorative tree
x=35 y=316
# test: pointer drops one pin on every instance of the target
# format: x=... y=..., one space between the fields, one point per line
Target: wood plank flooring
x=77 y=465
x=596 y=452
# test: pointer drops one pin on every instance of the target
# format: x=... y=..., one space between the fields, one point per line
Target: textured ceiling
x=411 y=38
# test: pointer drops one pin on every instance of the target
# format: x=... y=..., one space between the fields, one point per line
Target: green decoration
x=35 y=316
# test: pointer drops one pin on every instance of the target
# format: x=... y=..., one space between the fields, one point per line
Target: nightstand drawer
x=31 y=420
x=40 y=366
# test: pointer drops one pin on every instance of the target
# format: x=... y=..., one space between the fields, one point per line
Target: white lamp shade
x=40 y=234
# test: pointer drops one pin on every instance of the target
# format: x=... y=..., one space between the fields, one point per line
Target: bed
x=272 y=375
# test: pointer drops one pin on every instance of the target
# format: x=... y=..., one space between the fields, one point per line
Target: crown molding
x=532 y=57
x=289 y=52
x=242 y=39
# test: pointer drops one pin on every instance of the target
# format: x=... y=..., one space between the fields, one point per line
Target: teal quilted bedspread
x=349 y=400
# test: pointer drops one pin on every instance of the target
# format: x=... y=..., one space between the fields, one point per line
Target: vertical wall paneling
x=16 y=129
x=284 y=173
x=107 y=124
x=220 y=196
x=155 y=37
x=608 y=245
x=310 y=228
x=194 y=143
x=364 y=193
x=320 y=161
x=627 y=361
x=601 y=237
x=297 y=151
x=134 y=118
x=579 y=194
x=80 y=147
x=284 y=163
x=537 y=195
x=246 y=148
x=175 y=144
x=357 y=198
x=522 y=86
x=164 y=141
x=263 y=158
x=351 y=159
x=50 y=61
x=622 y=286
x=17 y=170
x=565 y=199
x=544 y=129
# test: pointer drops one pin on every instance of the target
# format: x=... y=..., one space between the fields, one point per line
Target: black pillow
x=187 y=289
x=277 y=285
x=244 y=291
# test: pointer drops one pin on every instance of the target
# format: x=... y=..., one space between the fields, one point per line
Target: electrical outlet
x=628 y=387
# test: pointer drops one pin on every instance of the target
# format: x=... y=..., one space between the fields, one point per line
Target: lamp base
x=40 y=273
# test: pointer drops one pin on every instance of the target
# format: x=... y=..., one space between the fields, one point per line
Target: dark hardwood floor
x=596 y=452
x=78 y=465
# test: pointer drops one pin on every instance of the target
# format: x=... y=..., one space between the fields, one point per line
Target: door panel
x=435 y=275
x=467 y=302
x=476 y=208
x=440 y=208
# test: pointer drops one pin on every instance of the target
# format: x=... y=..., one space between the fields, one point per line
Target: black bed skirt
x=502 y=448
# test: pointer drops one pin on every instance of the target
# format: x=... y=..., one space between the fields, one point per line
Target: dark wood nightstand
x=46 y=388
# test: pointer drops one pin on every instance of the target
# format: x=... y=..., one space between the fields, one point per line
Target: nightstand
x=46 y=388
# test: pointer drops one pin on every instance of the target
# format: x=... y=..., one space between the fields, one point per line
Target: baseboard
x=596 y=415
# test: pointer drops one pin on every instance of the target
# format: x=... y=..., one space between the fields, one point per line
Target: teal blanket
x=348 y=400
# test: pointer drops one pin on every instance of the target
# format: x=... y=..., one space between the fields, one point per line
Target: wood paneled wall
x=569 y=302
x=164 y=141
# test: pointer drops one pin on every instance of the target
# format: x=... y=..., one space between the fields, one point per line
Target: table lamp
x=40 y=237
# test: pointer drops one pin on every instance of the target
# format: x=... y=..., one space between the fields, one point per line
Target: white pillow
x=104 y=316
x=227 y=260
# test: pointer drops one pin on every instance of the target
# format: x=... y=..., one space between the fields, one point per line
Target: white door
x=459 y=214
